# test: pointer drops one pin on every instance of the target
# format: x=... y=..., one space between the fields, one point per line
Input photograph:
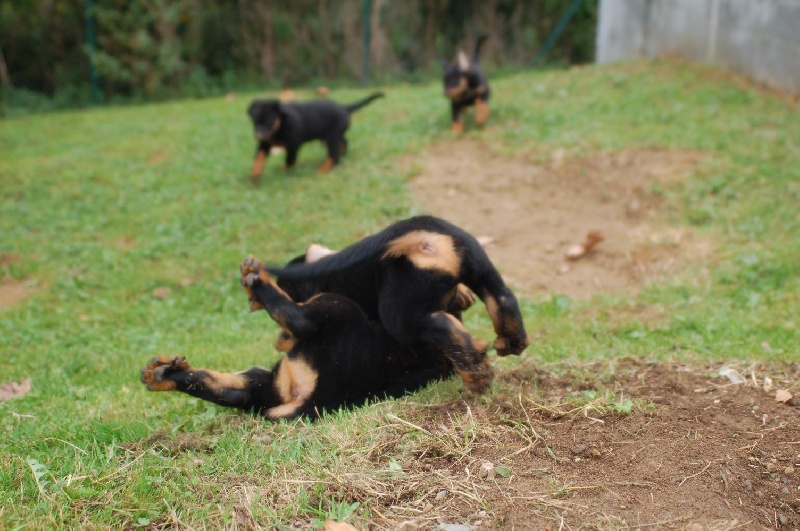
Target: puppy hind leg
x=447 y=334
x=239 y=390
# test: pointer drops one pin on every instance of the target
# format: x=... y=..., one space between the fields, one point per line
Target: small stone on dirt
x=487 y=470
x=748 y=485
x=440 y=495
x=731 y=374
x=580 y=449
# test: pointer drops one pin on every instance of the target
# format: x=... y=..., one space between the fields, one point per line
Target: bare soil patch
x=12 y=292
x=696 y=452
x=533 y=212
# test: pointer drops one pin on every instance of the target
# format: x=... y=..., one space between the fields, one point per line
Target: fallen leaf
x=782 y=395
x=186 y=282
x=485 y=240
x=14 y=390
x=578 y=251
x=487 y=470
x=330 y=525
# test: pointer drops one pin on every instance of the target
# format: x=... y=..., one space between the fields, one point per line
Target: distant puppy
x=465 y=84
x=289 y=125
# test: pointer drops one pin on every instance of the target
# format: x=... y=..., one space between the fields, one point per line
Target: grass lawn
x=101 y=208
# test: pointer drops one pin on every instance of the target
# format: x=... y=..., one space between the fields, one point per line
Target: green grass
x=99 y=208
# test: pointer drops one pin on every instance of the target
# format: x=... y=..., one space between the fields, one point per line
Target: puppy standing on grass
x=465 y=85
x=289 y=125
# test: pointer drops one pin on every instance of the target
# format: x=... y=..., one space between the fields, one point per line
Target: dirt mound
x=532 y=213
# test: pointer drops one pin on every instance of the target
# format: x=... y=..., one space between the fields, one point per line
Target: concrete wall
x=757 y=38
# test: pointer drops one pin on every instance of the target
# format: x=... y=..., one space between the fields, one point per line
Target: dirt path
x=533 y=213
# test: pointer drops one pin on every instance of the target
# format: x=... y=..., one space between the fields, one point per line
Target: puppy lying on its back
x=289 y=125
x=335 y=357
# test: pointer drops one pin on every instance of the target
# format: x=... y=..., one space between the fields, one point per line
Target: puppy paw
x=511 y=345
x=156 y=374
x=478 y=379
x=251 y=268
x=463 y=299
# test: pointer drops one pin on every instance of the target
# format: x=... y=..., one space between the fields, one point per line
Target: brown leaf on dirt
x=330 y=525
x=579 y=251
x=11 y=390
x=782 y=395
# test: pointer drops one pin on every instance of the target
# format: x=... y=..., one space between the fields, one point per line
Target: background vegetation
x=158 y=49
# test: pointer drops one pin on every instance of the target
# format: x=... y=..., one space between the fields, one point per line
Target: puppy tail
x=478 y=45
x=361 y=103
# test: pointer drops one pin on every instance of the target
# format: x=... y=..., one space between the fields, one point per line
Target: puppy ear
x=463 y=62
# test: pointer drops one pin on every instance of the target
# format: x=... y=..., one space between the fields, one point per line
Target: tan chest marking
x=426 y=250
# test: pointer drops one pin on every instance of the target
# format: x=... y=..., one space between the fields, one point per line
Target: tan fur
x=316 y=251
x=481 y=112
x=455 y=92
x=294 y=381
x=258 y=165
x=494 y=311
x=326 y=166
x=285 y=342
x=463 y=62
x=220 y=381
x=166 y=385
x=426 y=250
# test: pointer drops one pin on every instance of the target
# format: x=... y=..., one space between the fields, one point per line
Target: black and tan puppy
x=289 y=125
x=408 y=277
x=335 y=357
x=465 y=84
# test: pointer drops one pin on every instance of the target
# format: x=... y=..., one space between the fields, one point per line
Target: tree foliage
x=154 y=49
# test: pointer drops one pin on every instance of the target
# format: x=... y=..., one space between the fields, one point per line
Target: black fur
x=352 y=358
x=411 y=302
x=289 y=125
x=466 y=85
